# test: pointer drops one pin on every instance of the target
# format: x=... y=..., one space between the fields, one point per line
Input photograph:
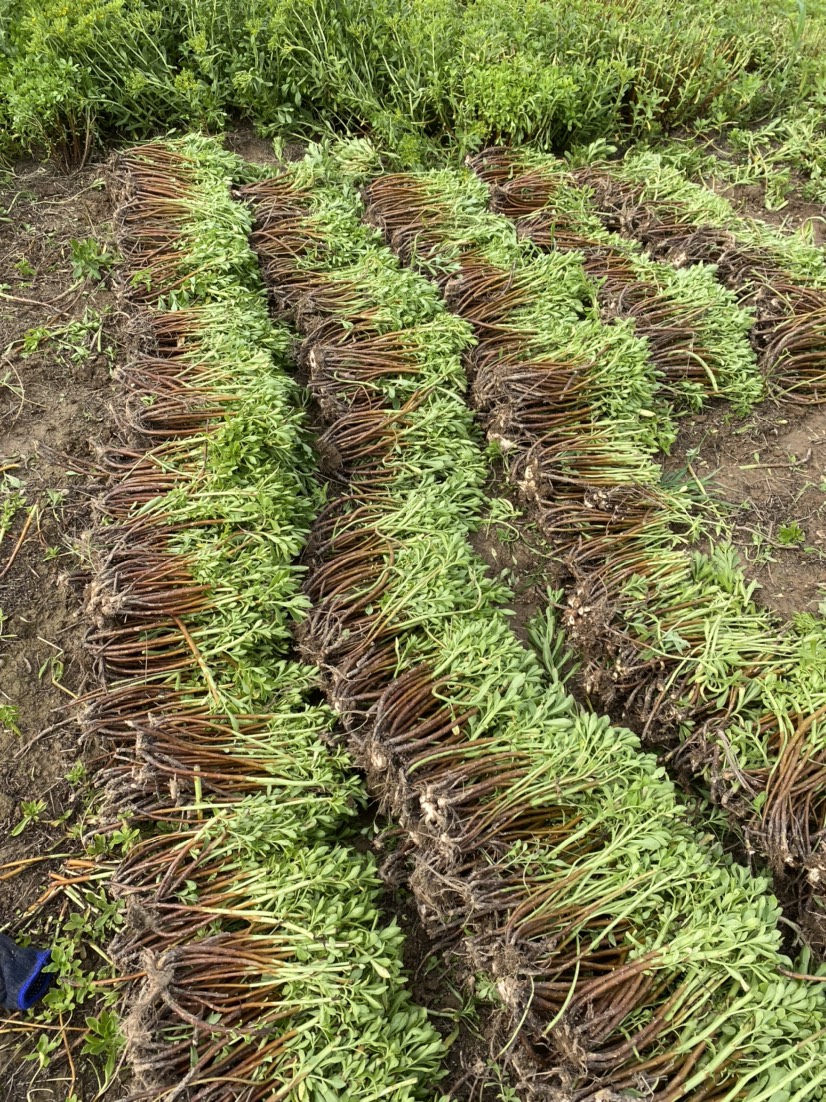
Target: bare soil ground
x=57 y=344
x=750 y=200
x=771 y=469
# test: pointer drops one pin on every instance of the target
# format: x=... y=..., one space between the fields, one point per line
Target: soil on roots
x=58 y=334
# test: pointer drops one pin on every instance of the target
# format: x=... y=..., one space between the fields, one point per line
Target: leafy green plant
x=77 y=774
x=89 y=259
x=118 y=840
x=790 y=535
x=43 y=1050
x=9 y=718
x=79 y=337
x=34 y=338
x=31 y=811
x=104 y=1040
x=25 y=267
x=10 y=504
x=419 y=74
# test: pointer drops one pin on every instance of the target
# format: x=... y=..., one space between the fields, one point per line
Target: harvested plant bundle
x=695 y=333
x=267 y=969
x=630 y=959
x=781 y=278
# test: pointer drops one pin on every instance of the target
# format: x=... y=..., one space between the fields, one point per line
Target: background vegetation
x=410 y=72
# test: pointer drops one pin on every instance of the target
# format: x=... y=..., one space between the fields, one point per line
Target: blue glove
x=22 y=979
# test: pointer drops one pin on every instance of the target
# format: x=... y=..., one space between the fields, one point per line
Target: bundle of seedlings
x=781 y=278
x=630 y=957
x=696 y=335
x=264 y=967
x=670 y=636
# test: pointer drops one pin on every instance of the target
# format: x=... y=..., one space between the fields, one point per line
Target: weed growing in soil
x=790 y=535
x=9 y=716
x=89 y=259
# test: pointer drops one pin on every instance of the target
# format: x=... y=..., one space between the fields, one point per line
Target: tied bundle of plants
x=779 y=277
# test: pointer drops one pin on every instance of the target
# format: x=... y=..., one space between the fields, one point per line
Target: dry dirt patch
x=57 y=346
x=771 y=469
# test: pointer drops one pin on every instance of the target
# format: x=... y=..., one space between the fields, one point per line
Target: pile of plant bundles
x=631 y=957
x=264 y=967
x=669 y=633
x=780 y=276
